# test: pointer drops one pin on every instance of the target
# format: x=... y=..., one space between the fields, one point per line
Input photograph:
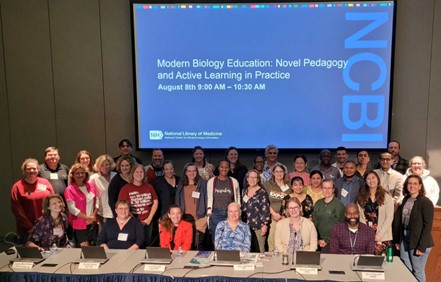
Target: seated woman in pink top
x=81 y=199
x=175 y=232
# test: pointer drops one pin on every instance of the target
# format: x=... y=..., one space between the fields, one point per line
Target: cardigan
x=307 y=231
x=420 y=224
x=385 y=218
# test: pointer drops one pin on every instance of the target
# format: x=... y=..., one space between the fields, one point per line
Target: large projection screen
x=304 y=75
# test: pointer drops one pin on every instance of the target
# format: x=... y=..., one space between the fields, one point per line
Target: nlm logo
x=156 y=135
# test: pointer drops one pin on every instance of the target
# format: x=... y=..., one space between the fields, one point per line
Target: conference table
x=124 y=265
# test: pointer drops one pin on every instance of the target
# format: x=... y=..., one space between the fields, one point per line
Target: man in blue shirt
x=350 y=184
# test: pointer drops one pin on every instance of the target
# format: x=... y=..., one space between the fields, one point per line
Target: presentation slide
x=297 y=75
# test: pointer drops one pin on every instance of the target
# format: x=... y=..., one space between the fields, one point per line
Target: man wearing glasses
x=391 y=180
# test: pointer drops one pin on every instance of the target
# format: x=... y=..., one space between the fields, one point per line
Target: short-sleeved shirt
x=141 y=199
x=223 y=193
x=57 y=177
x=276 y=194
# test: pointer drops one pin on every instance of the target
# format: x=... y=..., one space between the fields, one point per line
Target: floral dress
x=371 y=214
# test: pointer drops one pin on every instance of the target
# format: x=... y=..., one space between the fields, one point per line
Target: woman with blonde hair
x=295 y=233
x=103 y=166
x=81 y=200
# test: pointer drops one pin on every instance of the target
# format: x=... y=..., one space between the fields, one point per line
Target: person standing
x=327 y=212
x=125 y=149
x=325 y=167
x=124 y=166
x=390 y=179
x=166 y=187
x=350 y=184
x=103 y=166
x=255 y=207
x=221 y=191
x=300 y=163
x=27 y=196
x=271 y=154
x=191 y=196
x=377 y=211
x=412 y=227
x=399 y=164
x=54 y=171
x=155 y=169
x=277 y=189
x=81 y=201
x=142 y=199
x=418 y=167
x=205 y=169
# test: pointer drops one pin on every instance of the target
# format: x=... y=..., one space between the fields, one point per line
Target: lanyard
x=353 y=242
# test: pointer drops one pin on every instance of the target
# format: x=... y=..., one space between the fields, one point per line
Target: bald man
x=352 y=236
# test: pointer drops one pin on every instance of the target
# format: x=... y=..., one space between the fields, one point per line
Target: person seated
x=352 y=237
x=295 y=233
x=233 y=234
x=122 y=232
x=175 y=233
x=51 y=227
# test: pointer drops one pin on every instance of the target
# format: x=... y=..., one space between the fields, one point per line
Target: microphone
x=294 y=250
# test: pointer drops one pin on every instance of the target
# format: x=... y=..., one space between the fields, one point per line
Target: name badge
x=41 y=187
x=284 y=188
x=344 y=193
x=195 y=194
x=53 y=176
x=58 y=231
x=245 y=198
x=123 y=236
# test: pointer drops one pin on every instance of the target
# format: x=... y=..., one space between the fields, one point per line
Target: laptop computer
x=93 y=254
x=369 y=263
x=305 y=259
x=157 y=255
x=226 y=258
x=28 y=254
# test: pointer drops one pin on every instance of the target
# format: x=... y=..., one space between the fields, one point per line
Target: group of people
x=342 y=208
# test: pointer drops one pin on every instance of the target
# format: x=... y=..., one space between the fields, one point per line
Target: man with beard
x=351 y=236
x=399 y=164
x=325 y=167
x=154 y=169
x=349 y=185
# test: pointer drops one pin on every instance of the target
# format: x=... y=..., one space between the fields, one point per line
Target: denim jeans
x=416 y=264
x=216 y=216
